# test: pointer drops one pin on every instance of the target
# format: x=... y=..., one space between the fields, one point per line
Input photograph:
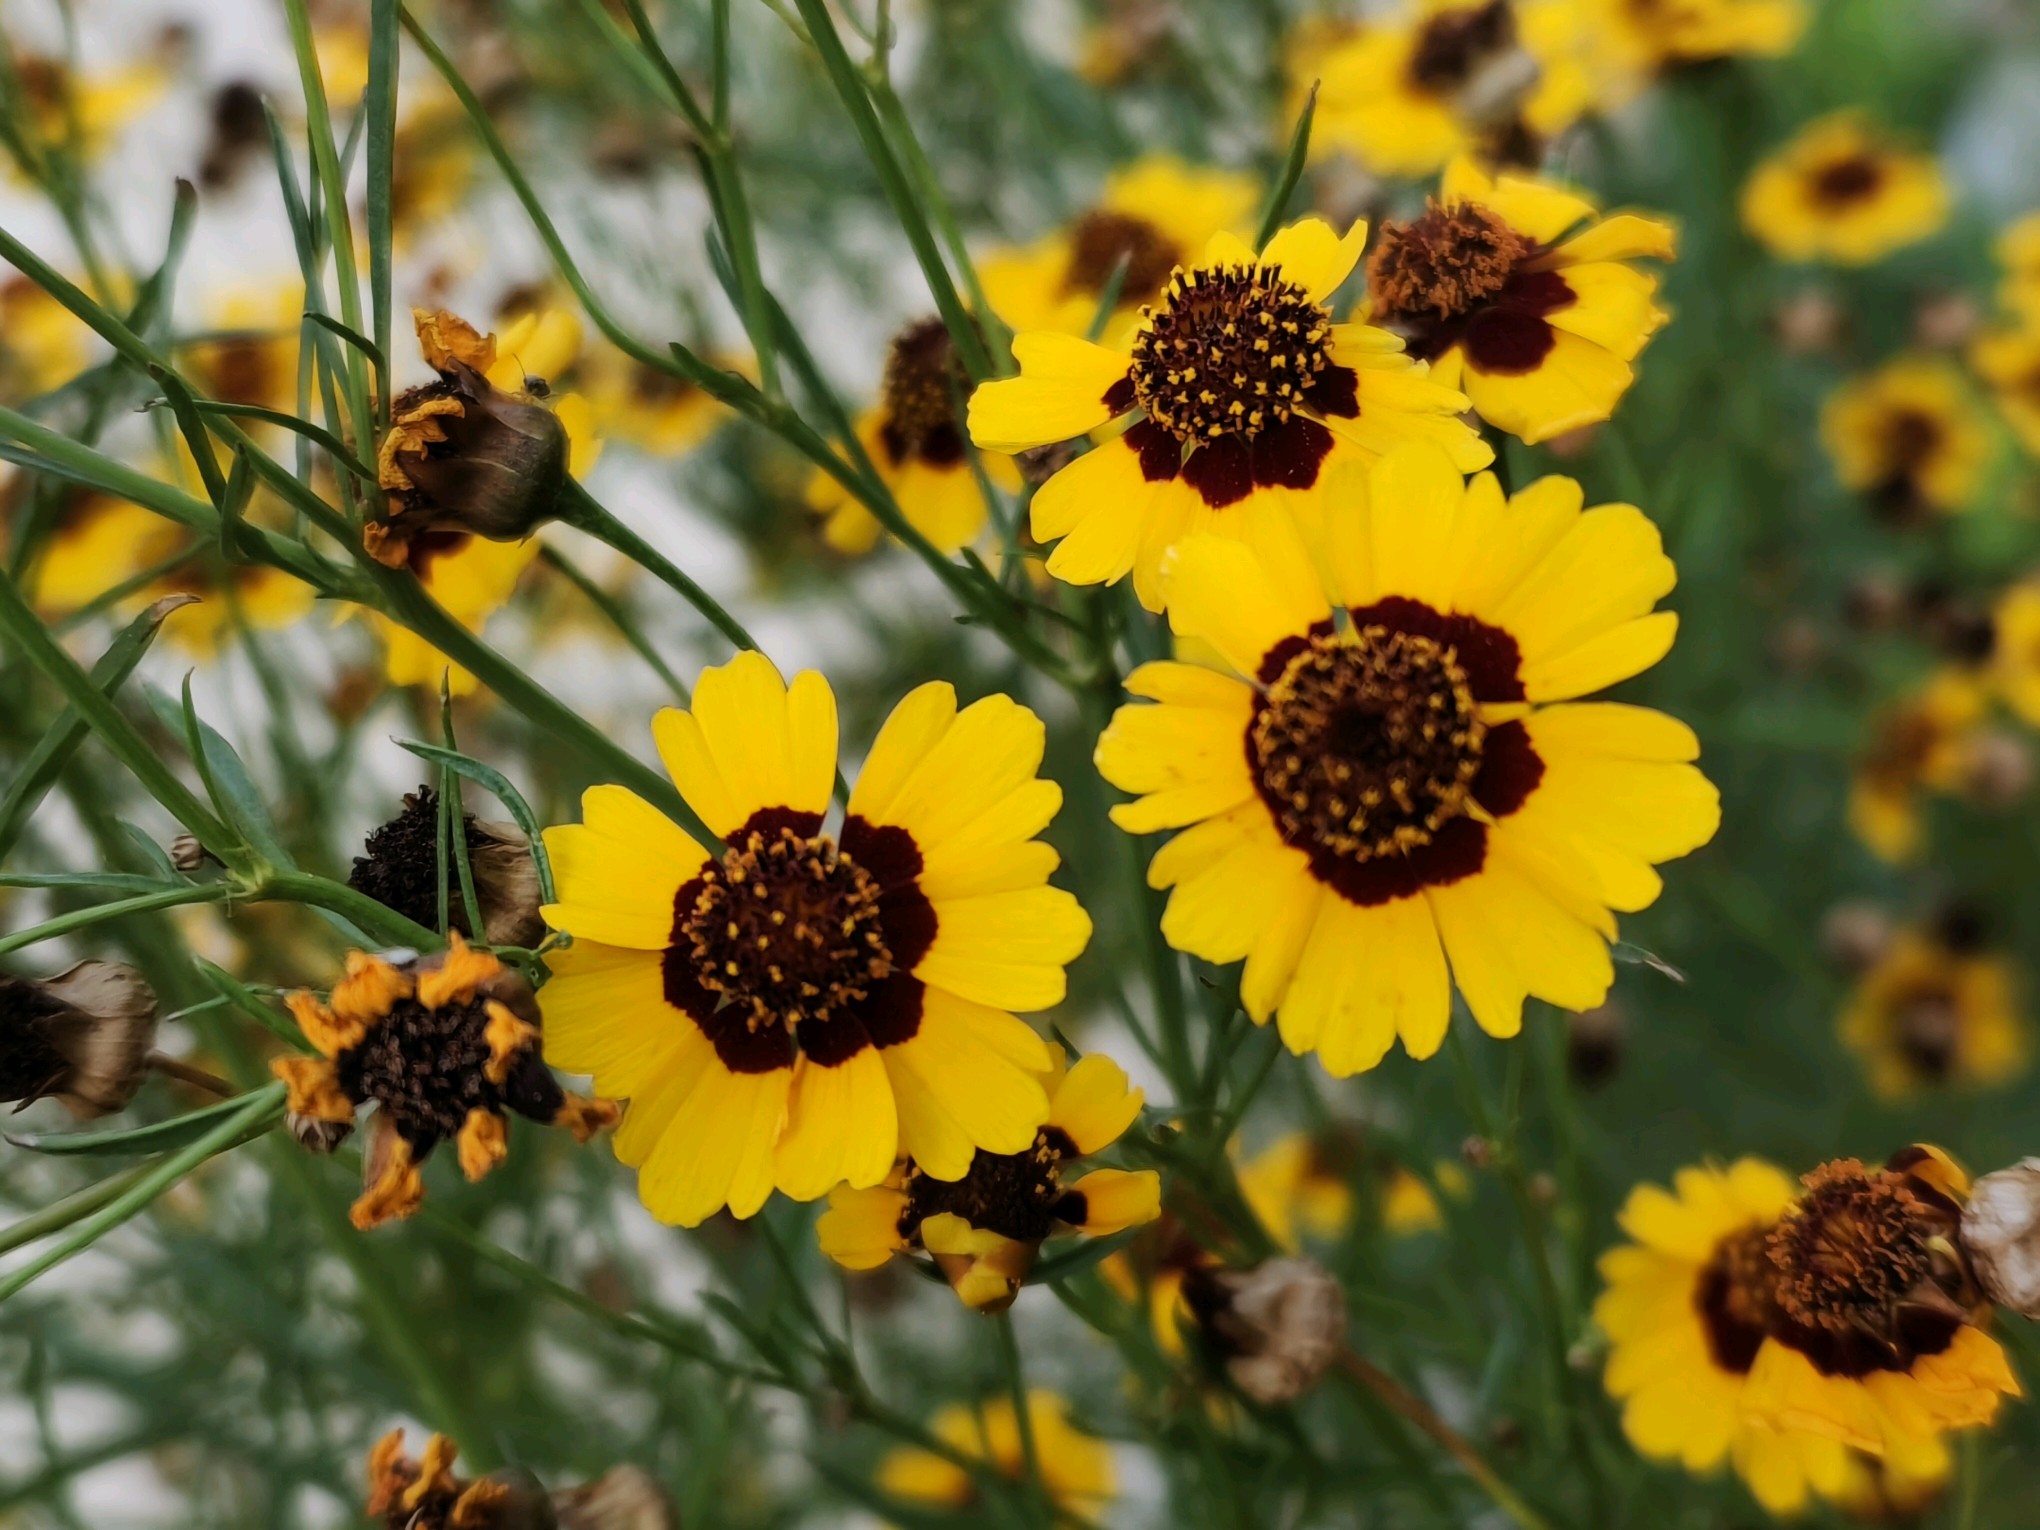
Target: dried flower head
x=400 y=870
x=1278 y=1326
x=81 y=1036
x=462 y=456
x=2001 y=1236
x=443 y=1046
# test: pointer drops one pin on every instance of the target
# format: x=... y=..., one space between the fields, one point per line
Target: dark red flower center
x=1443 y=264
x=1455 y=43
x=1734 y=1299
x=1016 y=1195
x=1843 y=182
x=924 y=378
x=1229 y=352
x=1102 y=240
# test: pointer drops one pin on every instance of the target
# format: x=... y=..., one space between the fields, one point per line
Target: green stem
x=99 y=913
x=1023 y=1418
x=584 y=512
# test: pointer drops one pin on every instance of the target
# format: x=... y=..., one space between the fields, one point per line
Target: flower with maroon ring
x=1381 y=783
x=804 y=1007
x=1242 y=396
x=1844 y=191
x=1538 y=328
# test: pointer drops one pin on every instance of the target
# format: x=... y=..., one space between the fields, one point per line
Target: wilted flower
x=82 y=1036
x=427 y=1494
x=400 y=870
x=443 y=1046
x=463 y=455
x=2001 y=1236
x=1277 y=1326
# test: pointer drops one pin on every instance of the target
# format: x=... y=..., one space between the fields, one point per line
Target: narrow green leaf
x=1075 y=1261
x=99 y=913
x=1292 y=170
x=249 y=1003
x=226 y=779
x=105 y=881
x=380 y=109
x=133 y=1141
x=46 y=762
x=494 y=781
x=353 y=337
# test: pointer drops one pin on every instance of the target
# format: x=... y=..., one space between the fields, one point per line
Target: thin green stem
x=1015 y=1376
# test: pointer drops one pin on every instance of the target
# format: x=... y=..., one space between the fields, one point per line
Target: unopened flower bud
x=463 y=457
x=83 y=1036
x=2001 y=1236
x=401 y=871
x=1947 y=321
x=1478 y=1152
x=1278 y=1325
x=1856 y=935
x=1809 y=322
x=623 y=1498
x=187 y=854
x=1998 y=770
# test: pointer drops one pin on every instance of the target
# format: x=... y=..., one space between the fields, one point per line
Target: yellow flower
x=442 y=1046
x=1076 y=1468
x=1153 y=215
x=1245 y=452
x=2008 y=360
x=2015 y=650
x=1874 y=1339
x=915 y=441
x=100 y=102
x=1910 y=436
x=1537 y=328
x=433 y=166
x=468 y=578
x=1934 y=1010
x=1293 y=1187
x=855 y=1007
x=1684 y=1309
x=2018 y=251
x=985 y=1229
x=1843 y=192
x=1653 y=35
x=42 y=345
x=1450 y=78
x=654 y=411
x=254 y=359
x=1924 y=742
x=1389 y=772
x=1889 y=1492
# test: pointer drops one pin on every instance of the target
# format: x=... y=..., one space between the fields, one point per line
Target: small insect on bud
x=2001 y=1236
x=187 y=854
x=1278 y=1326
x=462 y=456
x=83 y=1036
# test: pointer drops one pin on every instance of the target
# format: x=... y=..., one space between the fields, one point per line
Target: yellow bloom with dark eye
x=1293 y=1188
x=1242 y=397
x=915 y=441
x=1924 y=742
x=1076 y=1468
x=1654 y=35
x=1931 y=1012
x=1152 y=216
x=99 y=102
x=2008 y=361
x=652 y=410
x=1538 y=328
x=1452 y=77
x=1876 y=1337
x=42 y=344
x=1843 y=192
x=2018 y=252
x=806 y=1007
x=2015 y=650
x=443 y=1047
x=1388 y=771
x=253 y=355
x=1910 y=436
x=1685 y=1309
x=985 y=1229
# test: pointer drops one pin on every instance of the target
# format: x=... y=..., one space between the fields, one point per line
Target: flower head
x=1153 y=216
x=427 y=1494
x=1910 y=436
x=2018 y=253
x=43 y=345
x=1389 y=772
x=1538 y=328
x=1244 y=394
x=1874 y=1339
x=806 y=1007
x=82 y=1036
x=1685 y=1311
x=400 y=870
x=442 y=1046
x=2008 y=361
x=985 y=1229
x=1450 y=77
x=1933 y=1010
x=1842 y=192
x=915 y=439
x=1076 y=1468
x=1923 y=742
x=1655 y=35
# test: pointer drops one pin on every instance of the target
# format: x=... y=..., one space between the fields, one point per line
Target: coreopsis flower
x=443 y=1046
x=915 y=440
x=1910 y=437
x=98 y=103
x=43 y=345
x=1153 y=215
x=1294 y=1186
x=399 y=868
x=1843 y=192
x=427 y=1494
x=477 y=452
x=804 y=1008
x=1390 y=770
x=81 y=1037
x=985 y=1229
x=1076 y=1468
x=1875 y=1337
x=433 y=165
x=647 y=407
x=2008 y=361
x=1655 y=35
x=1935 y=1009
x=1538 y=328
x=1685 y=1311
x=1451 y=77
x=1244 y=396
x=2018 y=253
x=250 y=355
x=2014 y=656
x=1924 y=742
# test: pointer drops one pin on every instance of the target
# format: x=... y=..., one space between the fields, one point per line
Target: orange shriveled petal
x=371 y=985
x=585 y=1116
x=324 y=1029
x=396 y=1191
x=435 y=1471
x=446 y=338
x=458 y=976
x=483 y=1142
x=314 y=1088
x=508 y=1034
